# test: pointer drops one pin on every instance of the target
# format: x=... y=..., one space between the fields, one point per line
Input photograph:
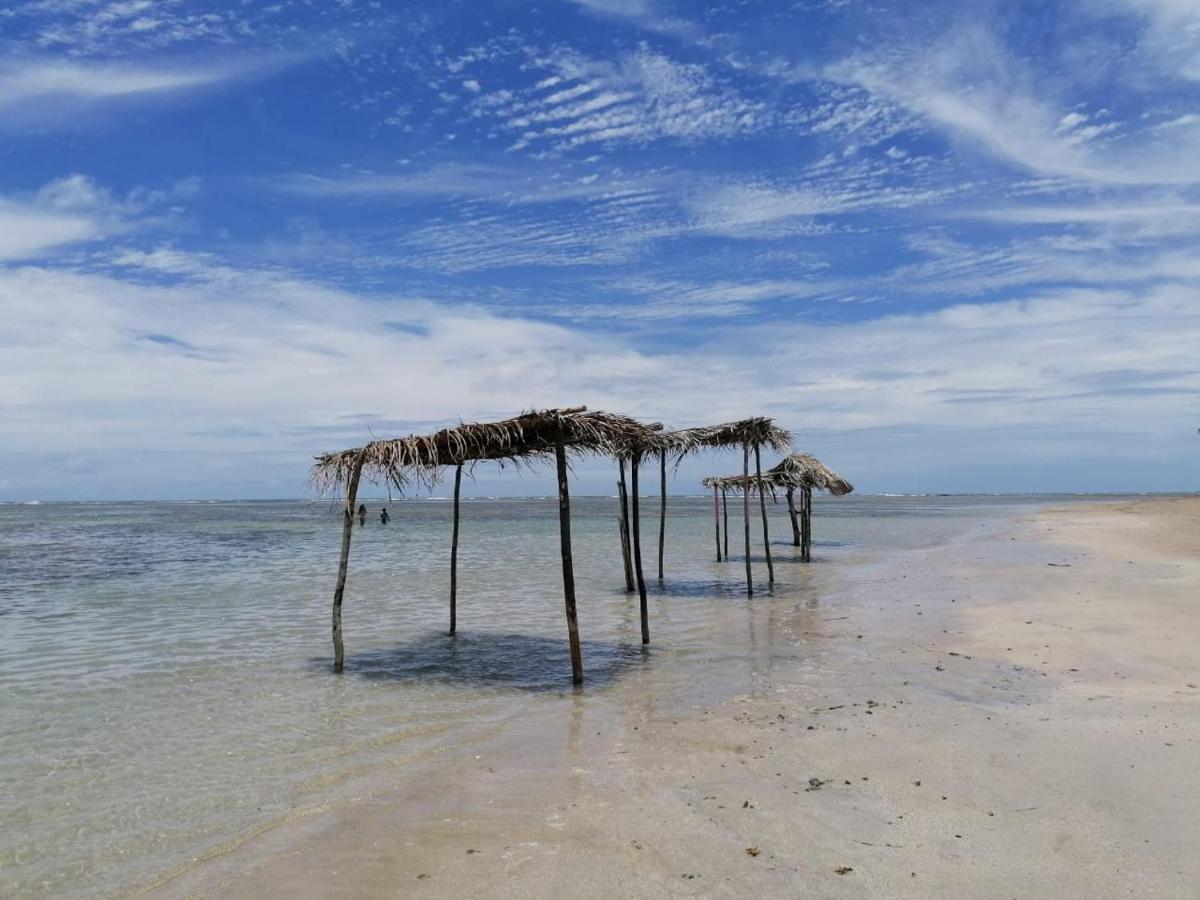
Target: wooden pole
x=791 y=501
x=725 y=512
x=746 y=514
x=454 y=552
x=623 y=527
x=806 y=523
x=762 y=505
x=568 y=568
x=634 y=464
x=717 y=519
x=662 y=510
x=344 y=562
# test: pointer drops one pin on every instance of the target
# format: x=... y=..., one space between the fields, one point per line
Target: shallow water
x=165 y=667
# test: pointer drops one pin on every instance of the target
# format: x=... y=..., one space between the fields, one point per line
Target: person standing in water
x=383 y=516
x=362 y=515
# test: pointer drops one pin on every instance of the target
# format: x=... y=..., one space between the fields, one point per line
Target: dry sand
x=1015 y=715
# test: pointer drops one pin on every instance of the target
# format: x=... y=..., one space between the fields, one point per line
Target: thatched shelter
x=532 y=437
x=754 y=432
x=806 y=472
x=751 y=434
x=796 y=471
x=723 y=485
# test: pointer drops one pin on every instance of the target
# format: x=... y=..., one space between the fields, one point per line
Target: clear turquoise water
x=164 y=667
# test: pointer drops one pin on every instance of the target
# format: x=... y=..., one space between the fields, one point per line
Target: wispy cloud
x=499 y=183
x=971 y=87
x=790 y=206
x=489 y=216
x=28 y=231
x=41 y=80
x=1170 y=41
x=75 y=209
x=50 y=90
x=641 y=97
x=647 y=14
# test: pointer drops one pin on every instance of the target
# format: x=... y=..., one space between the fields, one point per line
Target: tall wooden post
x=454 y=552
x=634 y=464
x=806 y=523
x=568 y=568
x=725 y=514
x=344 y=562
x=626 y=548
x=791 y=501
x=623 y=527
x=746 y=514
x=717 y=519
x=662 y=510
x=762 y=504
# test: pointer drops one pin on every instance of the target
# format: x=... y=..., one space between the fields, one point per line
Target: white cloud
x=608 y=216
x=119 y=359
x=1167 y=217
x=27 y=232
x=661 y=300
x=46 y=90
x=968 y=85
x=640 y=97
x=75 y=209
x=1171 y=37
x=501 y=183
x=109 y=365
x=112 y=28
x=43 y=80
x=67 y=211
x=772 y=209
x=647 y=14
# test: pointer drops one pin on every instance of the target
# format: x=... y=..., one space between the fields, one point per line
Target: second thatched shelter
x=806 y=472
x=751 y=434
x=796 y=471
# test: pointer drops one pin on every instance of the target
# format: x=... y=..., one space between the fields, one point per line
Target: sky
x=954 y=246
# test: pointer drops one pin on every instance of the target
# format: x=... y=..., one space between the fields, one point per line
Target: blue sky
x=953 y=246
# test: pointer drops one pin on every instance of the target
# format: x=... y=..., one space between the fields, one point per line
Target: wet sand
x=1015 y=714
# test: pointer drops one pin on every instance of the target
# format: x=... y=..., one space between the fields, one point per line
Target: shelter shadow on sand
x=518 y=661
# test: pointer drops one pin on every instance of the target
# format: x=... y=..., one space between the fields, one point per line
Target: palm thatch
x=793 y=471
x=805 y=470
x=531 y=436
x=756 y=431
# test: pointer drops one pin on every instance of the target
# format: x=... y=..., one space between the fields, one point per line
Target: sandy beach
x=1013 y=714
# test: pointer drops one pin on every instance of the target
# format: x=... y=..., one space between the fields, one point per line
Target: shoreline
x=964 y=736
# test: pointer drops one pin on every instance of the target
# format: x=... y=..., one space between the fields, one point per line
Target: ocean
x=165 y=668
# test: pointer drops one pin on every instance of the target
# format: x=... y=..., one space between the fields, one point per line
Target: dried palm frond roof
x=757 y=431
x=793 y=471
x=530 y=436
x=805 y=470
